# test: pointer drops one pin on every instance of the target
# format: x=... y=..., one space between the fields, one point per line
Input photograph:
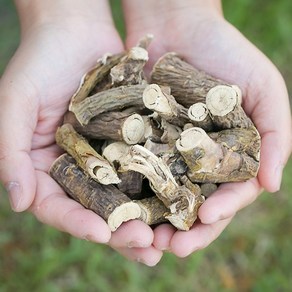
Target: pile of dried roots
x=153 y=150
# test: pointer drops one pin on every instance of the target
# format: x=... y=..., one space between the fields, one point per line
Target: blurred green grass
x=253 y=254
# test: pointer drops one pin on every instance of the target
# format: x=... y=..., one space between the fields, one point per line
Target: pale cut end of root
x=102 y=171
x=151 y=96
x=178 y=222
x=116 y=151
x=133 y=129
x=125 y=212
x=221 y=100
x=106 y=176
x=198 y=112
x=154 y=99
x=190 y=138
x=139 y=54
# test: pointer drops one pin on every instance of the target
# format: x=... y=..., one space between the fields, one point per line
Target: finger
x=149 y=256
x=162 y=236
x=198 y=237
x=228 y=200
x=134 y=233
x=54 y=208
x=272 y=117
x=17 y=122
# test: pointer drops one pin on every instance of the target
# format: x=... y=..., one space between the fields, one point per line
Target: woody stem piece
x=153 y=211
x=198 y=113
x=109 y=100
x=160 y=100
x=116 y=126
x=130 y=68
x=106 y=201
x=240 y=140
x=209 y=161
x=223 y=103
x=188 y=85
x=87 y=158
x=94 y=76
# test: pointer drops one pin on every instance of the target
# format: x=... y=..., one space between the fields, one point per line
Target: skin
x=60 y=41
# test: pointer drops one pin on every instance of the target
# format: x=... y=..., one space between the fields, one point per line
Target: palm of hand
x=57 y=60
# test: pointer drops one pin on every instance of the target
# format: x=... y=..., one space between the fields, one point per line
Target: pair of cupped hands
x=61 y=43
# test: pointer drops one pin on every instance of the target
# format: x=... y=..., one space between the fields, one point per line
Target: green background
x=253 y=254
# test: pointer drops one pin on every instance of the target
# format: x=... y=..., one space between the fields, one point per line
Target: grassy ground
x=253 y=254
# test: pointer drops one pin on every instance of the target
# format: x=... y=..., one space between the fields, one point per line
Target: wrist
x=152 y=10
x=65 y=13
x=167 y=16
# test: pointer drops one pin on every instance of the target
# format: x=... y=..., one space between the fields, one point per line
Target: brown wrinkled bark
x=188 y=85
x=105 y=200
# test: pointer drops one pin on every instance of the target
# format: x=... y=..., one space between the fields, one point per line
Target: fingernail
x=15 y=195
x=278 y=177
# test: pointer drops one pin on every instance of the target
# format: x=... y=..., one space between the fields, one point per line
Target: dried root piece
x=223 y=103
x=209 y=161
x=153 y=211
x=109 y=100
x=159 y=100
x=240 y=140
x=198 y=150
x=158 y=148
x=94 y=76
x=170 y=134
x=115 y=153
x=129 y=71
x=188 y=85
x=153 y=129
x=130 y=181
x=105 y=200
x=198 y=113
x=178 y=199
x=131 y=184
x=118 y=126
x=87 y=158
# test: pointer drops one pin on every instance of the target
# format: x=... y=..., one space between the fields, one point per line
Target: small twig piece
x=199 y=115
x=159 y=100
x=130 y=181
x=129 y=71
x=105 y=200
x=223 y=103
x=198 y=150
x=87 y=158
x=94 y=76
x=109 y=100
x=188 y=85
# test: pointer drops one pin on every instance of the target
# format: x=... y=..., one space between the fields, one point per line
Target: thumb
x=17 y=123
